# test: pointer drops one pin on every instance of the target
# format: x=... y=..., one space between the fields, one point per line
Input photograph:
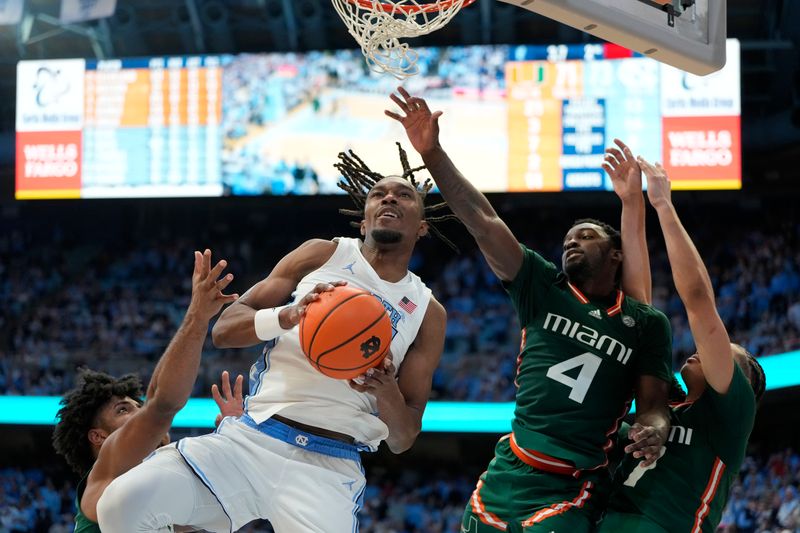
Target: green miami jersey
x=83 y=524
x=687 y=488
x=578 y=364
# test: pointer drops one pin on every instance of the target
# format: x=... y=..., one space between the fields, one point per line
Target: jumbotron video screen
x=516 y=119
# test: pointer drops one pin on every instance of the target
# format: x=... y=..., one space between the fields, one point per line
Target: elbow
x=404 y=443
x=479 y=223
x=219 y=335
x=398 y=447
x=698 y=294
x=695 y=285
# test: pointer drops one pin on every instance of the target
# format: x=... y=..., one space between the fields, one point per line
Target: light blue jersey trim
x=259 y=368
x=359 y=501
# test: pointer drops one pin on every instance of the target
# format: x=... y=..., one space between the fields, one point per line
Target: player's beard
x=386 y=236
x=578 y=271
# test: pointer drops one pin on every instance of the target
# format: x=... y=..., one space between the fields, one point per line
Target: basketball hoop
x=378 y=26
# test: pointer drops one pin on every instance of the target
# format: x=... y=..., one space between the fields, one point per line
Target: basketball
x=345 y=332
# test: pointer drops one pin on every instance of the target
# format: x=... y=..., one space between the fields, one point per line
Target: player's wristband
x=267 y=323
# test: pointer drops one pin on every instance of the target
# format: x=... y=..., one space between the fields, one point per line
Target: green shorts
x=615 y=522
x=515 y=497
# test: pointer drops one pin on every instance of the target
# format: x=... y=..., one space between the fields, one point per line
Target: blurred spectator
x=763 y=500
x=97 y=306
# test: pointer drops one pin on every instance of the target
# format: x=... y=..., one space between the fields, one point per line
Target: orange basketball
x=345 y=332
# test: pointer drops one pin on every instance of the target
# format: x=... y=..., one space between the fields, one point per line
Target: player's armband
x=267 y=323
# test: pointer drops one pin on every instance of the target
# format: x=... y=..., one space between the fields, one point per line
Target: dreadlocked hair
x=359 y=179
x=78 y=413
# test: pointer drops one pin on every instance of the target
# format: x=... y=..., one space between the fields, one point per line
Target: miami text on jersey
x=680 y=435
x=586 y=335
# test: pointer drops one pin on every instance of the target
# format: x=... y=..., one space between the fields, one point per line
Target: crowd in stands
x=115 y=308
x=765 y=499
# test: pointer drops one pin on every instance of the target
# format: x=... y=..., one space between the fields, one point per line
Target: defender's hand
x=422 y=126
x=207 y=286
x=229 y=403
x=647 y=443
x=658 y=184
x=624 y=171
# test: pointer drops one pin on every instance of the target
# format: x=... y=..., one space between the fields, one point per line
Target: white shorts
x=297 y=481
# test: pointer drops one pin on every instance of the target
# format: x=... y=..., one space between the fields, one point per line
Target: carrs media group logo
x=50 y=95
x=701 y=126
x=50 y=86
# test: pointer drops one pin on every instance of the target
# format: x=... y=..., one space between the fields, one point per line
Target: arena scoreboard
x=565 y=109
x=517 y=119
x=119 y=128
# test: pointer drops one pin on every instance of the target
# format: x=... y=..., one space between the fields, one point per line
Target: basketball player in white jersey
x=293 y=457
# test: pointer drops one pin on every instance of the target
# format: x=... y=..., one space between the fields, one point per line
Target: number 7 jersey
x=687 y=488
x=578 y=365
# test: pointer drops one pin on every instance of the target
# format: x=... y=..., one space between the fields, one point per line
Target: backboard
x=687 y=34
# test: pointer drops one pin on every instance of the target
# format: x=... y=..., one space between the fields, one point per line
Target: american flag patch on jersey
x=407 y=305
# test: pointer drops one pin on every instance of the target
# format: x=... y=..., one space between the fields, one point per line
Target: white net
x=378 y=27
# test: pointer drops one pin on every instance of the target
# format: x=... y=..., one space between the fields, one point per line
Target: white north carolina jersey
x=283 y=380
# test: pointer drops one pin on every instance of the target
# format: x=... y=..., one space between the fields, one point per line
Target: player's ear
x=423 y=229
x=363 y=228
x=96 y=436
x=617 y=255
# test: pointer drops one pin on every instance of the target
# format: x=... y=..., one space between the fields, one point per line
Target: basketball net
x=378 y=26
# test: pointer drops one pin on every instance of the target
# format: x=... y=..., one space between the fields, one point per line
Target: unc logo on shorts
x=301 y=440
x=370 y=347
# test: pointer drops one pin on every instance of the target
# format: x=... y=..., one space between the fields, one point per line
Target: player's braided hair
x=758 y=380
x=676 y=392
x=358 y=179
x=78 y=413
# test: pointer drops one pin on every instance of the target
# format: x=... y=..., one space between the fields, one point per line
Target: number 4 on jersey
x=588 y=362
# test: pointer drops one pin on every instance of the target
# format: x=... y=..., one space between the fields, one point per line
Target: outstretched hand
x=658 y=184
x=229 y=402
x=422 y=126
x=207 y=286
x=290 y=316
x=624 y=171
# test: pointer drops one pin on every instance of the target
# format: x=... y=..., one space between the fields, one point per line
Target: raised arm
x=236 y=326
x=498 y=244
x=626 y=177
x=693 y=284
x=402 y=401
x=170 y=385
